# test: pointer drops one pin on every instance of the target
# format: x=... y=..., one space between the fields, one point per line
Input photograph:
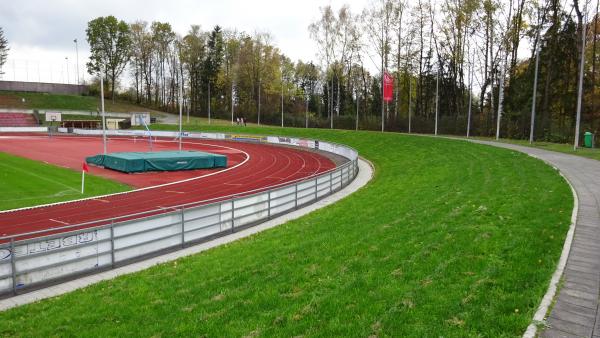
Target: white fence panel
x=323 y=185
x=282 y=200
x=6 y=273
x=145 y=224
x=306 y=192
x=202 y=222
x=251 y=209
x=156 y=232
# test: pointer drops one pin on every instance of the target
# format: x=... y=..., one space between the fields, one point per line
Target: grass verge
x=25 y=183
x=593 y=153
x=448 y=239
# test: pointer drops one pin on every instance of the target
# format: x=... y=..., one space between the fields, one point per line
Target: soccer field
x=25 y=183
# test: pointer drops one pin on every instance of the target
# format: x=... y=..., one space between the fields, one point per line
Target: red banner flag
x=388 y=87
x=86 y=168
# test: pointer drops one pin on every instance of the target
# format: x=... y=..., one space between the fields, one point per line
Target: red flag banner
x=388 y=87
x=85 y=167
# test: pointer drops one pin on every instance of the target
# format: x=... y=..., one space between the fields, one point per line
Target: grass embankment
x=63 y=101
x=25 y=183
x=448 y=239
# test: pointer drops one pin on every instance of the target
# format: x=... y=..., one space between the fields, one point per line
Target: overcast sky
x=41 y=32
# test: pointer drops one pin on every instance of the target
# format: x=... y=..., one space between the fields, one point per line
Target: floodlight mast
x=102 y=68
x=580 y=80
x=180 y=116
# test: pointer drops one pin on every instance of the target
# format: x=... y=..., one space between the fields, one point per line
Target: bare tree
x=3 y=49
x=323 y=32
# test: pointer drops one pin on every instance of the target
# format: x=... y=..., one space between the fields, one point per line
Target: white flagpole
x=82 y=180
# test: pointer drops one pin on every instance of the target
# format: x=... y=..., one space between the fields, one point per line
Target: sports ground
x=447 y=238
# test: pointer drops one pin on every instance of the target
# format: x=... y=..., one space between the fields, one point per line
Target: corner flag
x=84 y=169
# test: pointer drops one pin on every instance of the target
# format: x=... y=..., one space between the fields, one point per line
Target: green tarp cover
x=131 y=162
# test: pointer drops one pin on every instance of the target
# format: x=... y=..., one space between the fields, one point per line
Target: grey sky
x=41 y=32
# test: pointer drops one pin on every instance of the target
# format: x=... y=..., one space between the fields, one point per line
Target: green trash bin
x=588 y=140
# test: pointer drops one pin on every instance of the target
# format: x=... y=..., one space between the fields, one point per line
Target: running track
x=250 y=166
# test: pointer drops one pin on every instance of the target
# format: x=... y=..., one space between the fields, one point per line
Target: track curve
x=251 y=166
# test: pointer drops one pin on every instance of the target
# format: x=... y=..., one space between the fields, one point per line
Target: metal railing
x=89 y=247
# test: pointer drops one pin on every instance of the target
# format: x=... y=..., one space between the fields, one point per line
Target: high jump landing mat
x=135 y=162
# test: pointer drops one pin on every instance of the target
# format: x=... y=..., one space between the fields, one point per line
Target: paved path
x=576 y=313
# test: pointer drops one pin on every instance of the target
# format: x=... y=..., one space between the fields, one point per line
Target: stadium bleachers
x=17 y=120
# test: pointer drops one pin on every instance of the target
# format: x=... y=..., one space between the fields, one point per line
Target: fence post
x=232 y=215
x=269 y=205
x=12 y=265
x=182 y=226
x=112 y=244
x=330 y=183
x=316 y=184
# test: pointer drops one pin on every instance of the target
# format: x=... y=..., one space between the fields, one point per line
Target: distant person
x=237 y=119
x=244 y=120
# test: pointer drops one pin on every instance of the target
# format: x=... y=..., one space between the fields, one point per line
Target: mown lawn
x=448 y=239
x=25 y=183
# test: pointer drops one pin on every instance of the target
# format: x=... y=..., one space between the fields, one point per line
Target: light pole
x=102 y=106
x=208 y=101
x=77 y=53
x=535 y=81
x=67 y=60
x=180 y=115
x=580 y=84
x=282 y=96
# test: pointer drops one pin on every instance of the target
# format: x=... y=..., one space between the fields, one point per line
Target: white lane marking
x=57 y=221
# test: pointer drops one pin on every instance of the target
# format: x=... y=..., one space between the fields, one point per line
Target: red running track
x=251 y=166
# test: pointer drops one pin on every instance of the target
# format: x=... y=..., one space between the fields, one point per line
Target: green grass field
x=69 y=102
x=25 y=183
x=448 y=239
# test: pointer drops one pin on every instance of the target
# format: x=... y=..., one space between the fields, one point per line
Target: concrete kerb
x=539 y=317
x=365 y=174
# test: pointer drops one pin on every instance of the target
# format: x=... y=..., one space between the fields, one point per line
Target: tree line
x=3 y=50
x=457 y=65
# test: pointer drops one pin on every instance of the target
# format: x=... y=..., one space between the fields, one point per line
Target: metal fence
x=85 y=248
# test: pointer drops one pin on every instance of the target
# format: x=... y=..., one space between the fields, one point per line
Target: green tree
x=3 y=50
x=110 y=46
